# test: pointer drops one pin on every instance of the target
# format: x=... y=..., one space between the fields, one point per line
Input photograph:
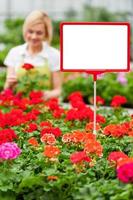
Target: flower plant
x=29 y=77
x=50 y=152
x=108 y=86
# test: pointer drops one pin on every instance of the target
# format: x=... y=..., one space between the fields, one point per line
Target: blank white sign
x=94 y=47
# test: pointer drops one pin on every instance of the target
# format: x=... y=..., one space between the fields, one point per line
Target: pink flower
x=9 y=150
x=125 y=173
x=121 y=78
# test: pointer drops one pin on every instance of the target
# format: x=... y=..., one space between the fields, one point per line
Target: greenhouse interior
x=66 y=132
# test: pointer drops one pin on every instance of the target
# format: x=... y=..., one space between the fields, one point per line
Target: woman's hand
x=11 y=78
x=57 y=85
x=51 y=94
x=10 y=82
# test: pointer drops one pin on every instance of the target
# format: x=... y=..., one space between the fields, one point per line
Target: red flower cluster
x=93 y=147
x=58 y=112
x=21 y=103
x=32 y=115
x=7 y=135
x=53 y=130
x=80 y=110
x=76 y=100
x=78 y=95
x=33 y=141
x=36 y=97
x=54 y=106
x=115 y=156
x=49 y=139
x=118 y=100
x=13 y=118
x=51 y=151
x=79 y=156
x=88 y=140
x=46 y=124
x=99 y=100
x=27 y=66
x=100 y=119
x=119 y=130
x=31 y=127
x=6 y=98
x=17 y=117
x=124 y=166
x=79 y=114
x=90 y=126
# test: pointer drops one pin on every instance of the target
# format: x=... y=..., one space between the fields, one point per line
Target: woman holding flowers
x=35 y=54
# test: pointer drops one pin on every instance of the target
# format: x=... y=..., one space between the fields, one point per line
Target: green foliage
x=11 y=37
x=102 y=14
x=78 y=84
x=104 y=190
x=56 y=34
x=13 y=33
x=27 y=176
x=29 y=79
x=2 y=79
x=3 y=54
x=107 y=87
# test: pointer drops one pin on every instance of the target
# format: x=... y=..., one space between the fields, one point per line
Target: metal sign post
x=95 y=106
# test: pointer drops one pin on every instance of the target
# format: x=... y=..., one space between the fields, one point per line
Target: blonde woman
x=37 y=33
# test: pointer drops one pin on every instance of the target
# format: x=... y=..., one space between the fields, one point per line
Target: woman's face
x=35 y=35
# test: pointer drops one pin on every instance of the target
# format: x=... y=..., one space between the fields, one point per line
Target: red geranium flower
x=32 y=127
x=51 y=151
x=7 y=135
x=46 y=124
x=99 y=100
x=79 y=156
x=53 y=104
x=75 y=95
x=51 y=130
x=27 y=66
x=90 y=126
x=58 y=112
x=33 y=141
x=36 y=94
x=116 y=155
x=118 y=101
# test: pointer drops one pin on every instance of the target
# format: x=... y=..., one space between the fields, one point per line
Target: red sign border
x=95 y=23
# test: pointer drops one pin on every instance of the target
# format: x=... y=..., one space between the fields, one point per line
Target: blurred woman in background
x=37 y=52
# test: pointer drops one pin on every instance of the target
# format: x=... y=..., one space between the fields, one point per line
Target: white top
x=19 y=55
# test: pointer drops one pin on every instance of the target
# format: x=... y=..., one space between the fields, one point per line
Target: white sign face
x=95 y=47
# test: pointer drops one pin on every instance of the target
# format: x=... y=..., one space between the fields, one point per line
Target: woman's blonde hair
x=39 y=17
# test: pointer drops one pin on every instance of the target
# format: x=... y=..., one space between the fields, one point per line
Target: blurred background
x=13 y=12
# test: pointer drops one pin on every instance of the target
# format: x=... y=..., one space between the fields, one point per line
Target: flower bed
x=108 y=85
x=48 y=152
